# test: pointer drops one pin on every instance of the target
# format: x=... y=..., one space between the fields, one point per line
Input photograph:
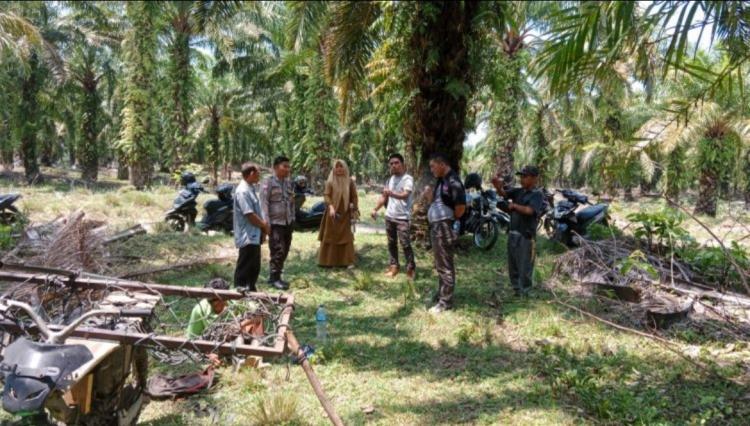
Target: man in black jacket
x=447 y=204
x=525 y=206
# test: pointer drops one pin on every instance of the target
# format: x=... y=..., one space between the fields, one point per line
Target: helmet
x=300 y=180
x=224 y=191
x=194 y=187
x=187 y=178
x=473 y=180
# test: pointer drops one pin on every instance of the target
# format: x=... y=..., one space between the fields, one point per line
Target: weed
x=363 y=281
x=277 y=408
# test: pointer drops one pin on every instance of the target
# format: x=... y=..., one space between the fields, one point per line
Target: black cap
x=529 y=171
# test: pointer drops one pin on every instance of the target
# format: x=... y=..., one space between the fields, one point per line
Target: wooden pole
x=314 y=382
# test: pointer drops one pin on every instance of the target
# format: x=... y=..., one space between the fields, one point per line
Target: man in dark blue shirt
x=525 y=206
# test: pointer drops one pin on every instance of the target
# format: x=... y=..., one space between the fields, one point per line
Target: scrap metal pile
x=659 y=293
x=59 y=296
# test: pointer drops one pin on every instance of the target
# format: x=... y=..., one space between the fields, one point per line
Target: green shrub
x=597 y=231
x=716 y=265
x=661 y=229
x=6 y=237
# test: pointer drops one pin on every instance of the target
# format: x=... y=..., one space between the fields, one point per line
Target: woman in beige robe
x=336 y=237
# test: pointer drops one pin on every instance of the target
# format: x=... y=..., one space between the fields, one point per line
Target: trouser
x=398 y=231
x=443 y=239
x=278 y=244
x=248 y=267
x=521 y=261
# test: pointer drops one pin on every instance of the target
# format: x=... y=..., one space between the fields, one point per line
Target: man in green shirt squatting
x=206 y=311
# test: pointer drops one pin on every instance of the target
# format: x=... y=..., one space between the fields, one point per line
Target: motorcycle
x=306 y=219
x=219 y=214
x=564 y=224
x=72 y=380
x=8 y=212
x=482 y=218
x=183 y=212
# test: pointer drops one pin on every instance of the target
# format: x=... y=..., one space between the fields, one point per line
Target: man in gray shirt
x=249 y=229
x=397 y=195
x=447 y=204
x=277 y=199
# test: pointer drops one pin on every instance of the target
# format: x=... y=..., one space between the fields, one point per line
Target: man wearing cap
x=525 y=206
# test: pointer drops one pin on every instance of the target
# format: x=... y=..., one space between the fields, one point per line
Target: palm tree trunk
x=542 y=154
x=628 y=193
x=138 y=123
x=7 y=159
x=123 y=173
x=28 y=117
x=214 y=139
x=708 y=192
x=505 y=117
x=88 y=149
x=181 y=81
x=436 y=120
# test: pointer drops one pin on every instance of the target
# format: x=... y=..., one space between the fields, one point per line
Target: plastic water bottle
x=321 y=322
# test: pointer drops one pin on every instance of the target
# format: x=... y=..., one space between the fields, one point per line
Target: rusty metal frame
x=41 y=275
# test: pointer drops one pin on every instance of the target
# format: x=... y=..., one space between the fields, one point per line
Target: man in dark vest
x=447 y=204
x=525 y=206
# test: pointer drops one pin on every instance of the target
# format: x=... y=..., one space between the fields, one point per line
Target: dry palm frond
x=74 y=243
x=16 y=33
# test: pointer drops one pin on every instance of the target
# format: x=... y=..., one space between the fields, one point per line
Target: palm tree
x=189 y=22
x=429 y=42
x=139 y=57
x=94 y=36
x=17 y=34
x=33 y=22
x=588 y=38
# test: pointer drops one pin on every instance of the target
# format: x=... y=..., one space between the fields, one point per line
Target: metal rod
x=97 y=283
x=143 y=339
x=313 y=379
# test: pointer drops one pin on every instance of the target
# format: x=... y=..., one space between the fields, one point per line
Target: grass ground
x=389 y=362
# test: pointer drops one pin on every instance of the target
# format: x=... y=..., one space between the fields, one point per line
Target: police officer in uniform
x=525 y=206
x=277 y=201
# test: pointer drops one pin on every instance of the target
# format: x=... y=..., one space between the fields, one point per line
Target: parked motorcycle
x=70 y=380
x=564 y=223
x=482 y=218
x=219 y=213
x=8 y=212
x=184 y=209
x=306 y=219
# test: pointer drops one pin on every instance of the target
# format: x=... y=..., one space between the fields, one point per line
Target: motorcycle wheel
x=9 y=216
x=486 y=234
x=176 y=223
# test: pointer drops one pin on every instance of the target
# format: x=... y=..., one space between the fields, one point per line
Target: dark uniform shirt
x=448 y=193
x=526 y=225
x=277 y=201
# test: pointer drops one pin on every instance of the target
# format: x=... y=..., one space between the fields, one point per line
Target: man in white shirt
x=249 y=228
x=397 y=196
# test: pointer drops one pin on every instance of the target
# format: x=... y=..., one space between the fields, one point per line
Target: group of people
x=268 y=213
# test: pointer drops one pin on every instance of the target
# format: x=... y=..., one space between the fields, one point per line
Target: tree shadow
x=610 y=387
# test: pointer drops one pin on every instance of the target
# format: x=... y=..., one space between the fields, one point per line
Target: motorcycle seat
x=8 y=199
x=590 y=212
x=319 y=207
